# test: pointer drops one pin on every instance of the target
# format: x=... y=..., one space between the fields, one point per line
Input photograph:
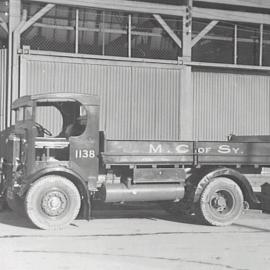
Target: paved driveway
x=135 y=237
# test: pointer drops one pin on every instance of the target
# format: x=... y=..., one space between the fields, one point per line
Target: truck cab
x=62 y=158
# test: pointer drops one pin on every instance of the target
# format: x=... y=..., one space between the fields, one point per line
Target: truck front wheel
x=52 y=202
x=221 y=202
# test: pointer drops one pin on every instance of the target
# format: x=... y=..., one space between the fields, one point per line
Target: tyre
x=221 y=202
x=52 y=202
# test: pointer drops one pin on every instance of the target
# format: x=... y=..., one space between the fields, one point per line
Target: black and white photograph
x=134 y=134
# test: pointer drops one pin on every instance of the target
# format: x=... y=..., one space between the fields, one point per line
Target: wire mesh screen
x=90 y=35
x=217 y=46
x=248 y=45
x=116 y=34
x=150 y=40
x=100 y=32
x=53 y=32
x=3 y=39
x=4 y=8
x=3 y=22
x=266 y=46
x=103 y=33
x=229 y=43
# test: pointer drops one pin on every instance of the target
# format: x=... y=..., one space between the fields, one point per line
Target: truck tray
x=187 y=152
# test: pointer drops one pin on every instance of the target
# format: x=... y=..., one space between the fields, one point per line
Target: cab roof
x=84 y=99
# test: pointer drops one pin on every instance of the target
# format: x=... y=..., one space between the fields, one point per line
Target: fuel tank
x=121 y=192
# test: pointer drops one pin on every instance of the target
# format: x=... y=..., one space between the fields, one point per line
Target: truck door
x=84 y=148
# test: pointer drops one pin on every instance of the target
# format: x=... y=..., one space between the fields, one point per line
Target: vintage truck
x=55 y=178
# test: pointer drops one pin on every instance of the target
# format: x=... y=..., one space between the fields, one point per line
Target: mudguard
x=71 y=175
x=234 y=175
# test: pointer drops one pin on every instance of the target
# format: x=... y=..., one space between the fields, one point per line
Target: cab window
x=23 y=113
x=61 y=119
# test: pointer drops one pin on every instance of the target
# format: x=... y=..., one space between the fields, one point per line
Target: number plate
x=85 y=153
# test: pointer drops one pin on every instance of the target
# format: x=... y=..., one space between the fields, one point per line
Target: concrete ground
x=135 y=237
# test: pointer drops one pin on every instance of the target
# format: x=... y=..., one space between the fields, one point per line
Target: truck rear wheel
x=221 y=202
x=52 y=202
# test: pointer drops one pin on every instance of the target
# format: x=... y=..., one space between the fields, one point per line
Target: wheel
x=221 y=202
x=52 y=202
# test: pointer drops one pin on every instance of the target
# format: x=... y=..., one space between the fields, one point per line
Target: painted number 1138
x=84 y=153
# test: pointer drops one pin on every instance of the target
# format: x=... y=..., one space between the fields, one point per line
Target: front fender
x=72 y=176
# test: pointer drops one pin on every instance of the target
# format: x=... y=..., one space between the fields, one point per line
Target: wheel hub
x=219 y=203
x=54 y=203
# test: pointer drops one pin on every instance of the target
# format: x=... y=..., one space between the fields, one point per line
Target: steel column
x=129 y=35
x=261 y=45
x=186 y=97
x=77 y=32
x=14 y=20
x=235 y=44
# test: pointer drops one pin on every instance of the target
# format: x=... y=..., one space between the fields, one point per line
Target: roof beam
x=36 y=17
x=169 y=31
x=3 y=24
x=206 y=30
x=245 y=3
x=229 y=15
x=124 y=5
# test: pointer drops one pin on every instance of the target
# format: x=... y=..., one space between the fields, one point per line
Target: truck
x=54 y=178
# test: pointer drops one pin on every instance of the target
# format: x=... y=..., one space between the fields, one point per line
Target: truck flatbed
x=192 y=153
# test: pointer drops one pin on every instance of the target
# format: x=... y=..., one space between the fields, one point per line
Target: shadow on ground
x=253 y=228
x=11 y=218
x=148 y=211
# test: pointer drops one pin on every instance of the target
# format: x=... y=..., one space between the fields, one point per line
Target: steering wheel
x=42 y=130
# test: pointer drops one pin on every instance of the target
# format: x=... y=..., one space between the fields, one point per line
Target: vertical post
x=15 y=87
x=14 y=21
x=103 y=32
x=77 y=31
x=129 y=35
x=187 y=32
x=186 y=94
x=235 y=44
x=261 y=45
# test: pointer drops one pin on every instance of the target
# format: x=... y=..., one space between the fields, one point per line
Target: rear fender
x=232 y=174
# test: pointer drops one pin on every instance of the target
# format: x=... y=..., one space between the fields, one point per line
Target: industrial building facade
x=164 y=70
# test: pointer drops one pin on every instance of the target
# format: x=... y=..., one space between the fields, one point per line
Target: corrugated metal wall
x=139 y=101
x=3 y=85
x=231 y=102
